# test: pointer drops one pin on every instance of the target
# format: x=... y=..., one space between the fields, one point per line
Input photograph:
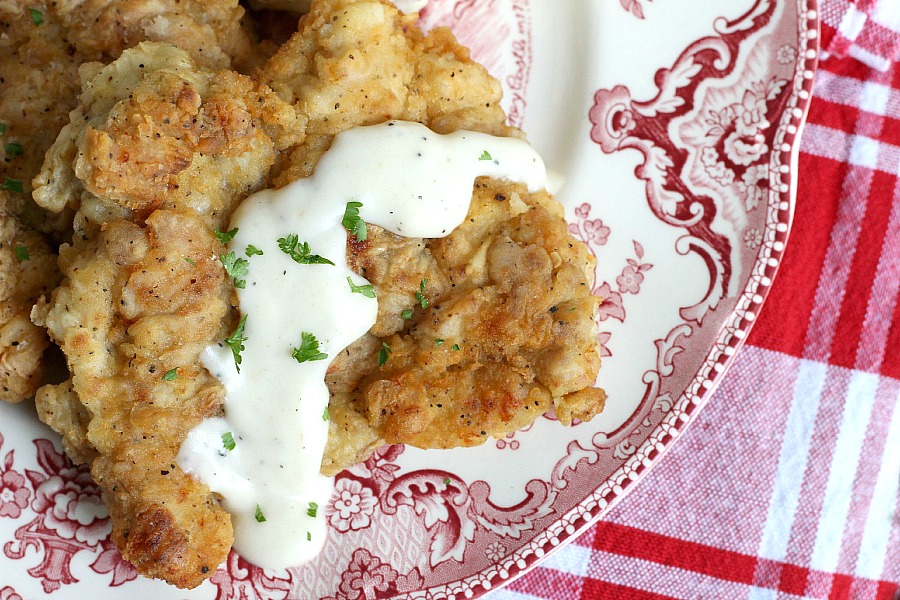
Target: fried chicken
x=42 y=46
x=158 y=153
x=508 y=291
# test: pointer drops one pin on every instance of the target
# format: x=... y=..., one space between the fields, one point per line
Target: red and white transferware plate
x=672 y=134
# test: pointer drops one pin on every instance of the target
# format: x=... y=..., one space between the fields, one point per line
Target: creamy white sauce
x=409 y=180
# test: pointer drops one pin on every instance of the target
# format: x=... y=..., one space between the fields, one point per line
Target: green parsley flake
x=226 y=236
x=171 y=375
x=455 y=347
x=420 y=295
x=12 y=185
x=300 y=252
x=438 y=341
x=236 y=343
x=326 y=415
x=13 y=149
x=313 y=509
x=237 y=268
x=353 y=222
x=252 y=251
x=485 y=156
x=190 y=262
x=383 y=354
x=228 y=441
x=446 y=481
x=366 y=290
x=407 y=314
x=308 y=536
x=22 y=253
x=2 y=128
x=36 y=17
x=260 y=517
x=308 y=350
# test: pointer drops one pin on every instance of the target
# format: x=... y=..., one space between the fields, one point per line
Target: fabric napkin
x=786 y=486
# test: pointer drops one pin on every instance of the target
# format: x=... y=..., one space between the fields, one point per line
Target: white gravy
x=409 y=180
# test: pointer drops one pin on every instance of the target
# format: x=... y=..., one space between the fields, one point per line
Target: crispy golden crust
x=167 y=151
x=510 y=287
x=27 y=270
x=130 y=310
x=40 y=55
x=160 y=151
x=507 y=334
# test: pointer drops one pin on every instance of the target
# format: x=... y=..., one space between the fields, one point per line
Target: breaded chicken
x=508 y=332
x=27 y=271
x=42 y=45
x=157 y=156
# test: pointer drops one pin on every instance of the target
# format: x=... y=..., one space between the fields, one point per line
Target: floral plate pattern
x=673 y=149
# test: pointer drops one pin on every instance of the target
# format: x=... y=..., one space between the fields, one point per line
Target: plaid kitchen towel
x=786 y=486
x=868 y=30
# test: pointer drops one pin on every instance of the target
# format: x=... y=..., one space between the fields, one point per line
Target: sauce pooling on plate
x=299 y=310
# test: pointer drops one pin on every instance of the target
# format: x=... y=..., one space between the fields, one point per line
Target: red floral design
x=352 y=505
x=8 y=593
x=110 y=561
x=591 y=231
x=634 y=7
x=14 y=495
x=632 y=276
x=368 y=578
x=70 y=517
x=239 y=580
x=611 y=305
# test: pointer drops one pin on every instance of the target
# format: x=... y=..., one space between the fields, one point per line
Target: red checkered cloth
x=868 y=30
x=786 y=486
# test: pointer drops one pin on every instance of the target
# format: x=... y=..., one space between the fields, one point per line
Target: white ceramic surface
x=673 y=136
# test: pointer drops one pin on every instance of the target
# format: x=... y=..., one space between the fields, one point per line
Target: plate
x=672 y=136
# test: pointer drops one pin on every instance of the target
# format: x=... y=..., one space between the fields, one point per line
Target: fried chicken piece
x=508 y=292
x=166 y=150
x=42 y=45
x=27 y=270
x=152 y=131
x=358 y=63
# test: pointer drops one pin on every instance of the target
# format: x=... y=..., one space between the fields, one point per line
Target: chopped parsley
x=228 y=441
x=13 y=149
x=366 y=290
x=171 y=375
x=455 y=347
x=22 y=253
x=438 y=341
x=236 y=342
x=260 y=517
x=326 y=415
x=300 y=252
x=313 y=509
x=353 y=222
x=192 y=263
x=485 y=156
x=384 y=353
x=2 y=128
x=226 y=236
x=420 y=295
x=236 y=268
x=308 y=536
x=12 y=185
x=252 y=251
x=308 y=350
x=36 y=17
x=407 y=314
x=446 y=481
